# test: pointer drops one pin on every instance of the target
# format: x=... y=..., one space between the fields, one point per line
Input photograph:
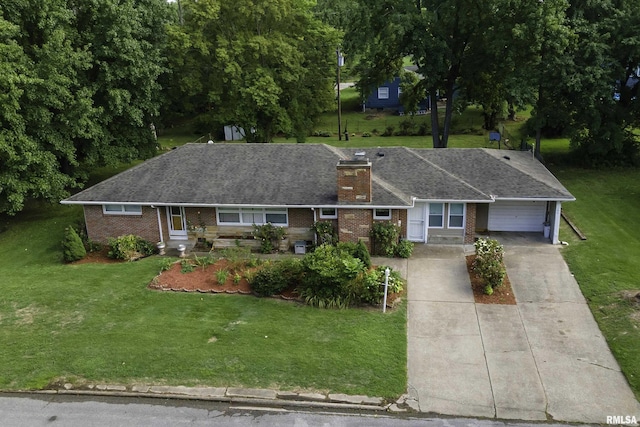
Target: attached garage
x=517 y=215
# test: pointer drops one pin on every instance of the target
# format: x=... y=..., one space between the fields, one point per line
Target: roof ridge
x=389 y=187
x=451 y=174
x=334 y=150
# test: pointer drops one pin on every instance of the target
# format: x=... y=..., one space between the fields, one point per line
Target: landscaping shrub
x=166 y=264
x=368 y=287
x=72 y=247
x=325 y=233
x=489 y=262
x=221 y=276
x=327 y=273
x=357 y=250
x=385 y=238
x=269 y=236
x=130 y=247
x=388 y=131
x=404 y=249
x=275 y=277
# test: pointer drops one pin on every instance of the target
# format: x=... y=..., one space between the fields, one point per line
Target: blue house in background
x=387 y=97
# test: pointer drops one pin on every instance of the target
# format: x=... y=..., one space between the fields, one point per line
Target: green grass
x=99 y=323
x=606 y=211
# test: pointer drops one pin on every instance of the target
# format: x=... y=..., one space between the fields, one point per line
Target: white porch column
x=556 y=224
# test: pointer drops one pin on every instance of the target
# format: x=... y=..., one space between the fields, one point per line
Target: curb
x=258 y=397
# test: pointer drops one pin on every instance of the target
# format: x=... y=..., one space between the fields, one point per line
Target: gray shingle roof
x=305 y=175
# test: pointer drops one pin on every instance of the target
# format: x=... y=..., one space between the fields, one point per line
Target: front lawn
x=99 y=323
x=607 y=211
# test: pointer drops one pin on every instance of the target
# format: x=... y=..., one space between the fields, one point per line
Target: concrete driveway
x=541 y=359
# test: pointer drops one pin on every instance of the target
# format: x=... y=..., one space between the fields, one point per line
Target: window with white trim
x=328 y=213
x=382 y=214
x=383 y=92
x=456 y=215
x=436 y=213
x=122 y=209
x=250 y=216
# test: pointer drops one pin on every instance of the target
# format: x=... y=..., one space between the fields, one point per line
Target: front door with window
x=177 y=223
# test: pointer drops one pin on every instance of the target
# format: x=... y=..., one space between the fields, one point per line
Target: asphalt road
x=72 y=411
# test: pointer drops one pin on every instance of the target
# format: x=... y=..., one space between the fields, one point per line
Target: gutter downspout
x=159 y=224
x=315 y=219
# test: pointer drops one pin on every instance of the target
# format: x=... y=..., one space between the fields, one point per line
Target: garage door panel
x=517 y=216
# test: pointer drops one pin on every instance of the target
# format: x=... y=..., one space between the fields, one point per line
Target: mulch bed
x=204 y=280
x=501 y=295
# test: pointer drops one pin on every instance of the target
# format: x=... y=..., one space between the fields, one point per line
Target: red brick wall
x=470 y=225
x=197 y=215
x=300 y=217
x=354 y=182
x=100 y=226
x=354 y=225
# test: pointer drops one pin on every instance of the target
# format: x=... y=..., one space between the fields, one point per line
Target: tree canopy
x=265 y=66
x=576 y=62
x=78 y=90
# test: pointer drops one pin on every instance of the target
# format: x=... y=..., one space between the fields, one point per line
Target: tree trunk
x=448 y=115
x=435 y=124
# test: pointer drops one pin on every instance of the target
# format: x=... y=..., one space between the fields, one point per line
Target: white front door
x=177 y=223
x=417 y=230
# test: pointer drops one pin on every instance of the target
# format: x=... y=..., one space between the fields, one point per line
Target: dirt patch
x=501 y=295
x=98 y=257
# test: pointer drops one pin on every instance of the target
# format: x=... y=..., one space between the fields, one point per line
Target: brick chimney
x=354 y=181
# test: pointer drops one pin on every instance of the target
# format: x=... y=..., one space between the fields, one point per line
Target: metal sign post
x=386 y=289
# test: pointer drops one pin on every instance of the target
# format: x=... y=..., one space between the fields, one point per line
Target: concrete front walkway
x=543 y=358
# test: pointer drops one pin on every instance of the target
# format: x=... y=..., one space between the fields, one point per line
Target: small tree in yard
x=72 y=246
x=489 y=263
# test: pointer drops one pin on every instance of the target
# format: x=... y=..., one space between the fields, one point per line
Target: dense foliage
x=78 y=89
x=130 y=247
x=273 y=278
x=577 y=63
x=265 y=66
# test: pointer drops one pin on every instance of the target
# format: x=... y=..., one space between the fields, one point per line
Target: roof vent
x=380 y=154
x=360 y=154
x=506 y=157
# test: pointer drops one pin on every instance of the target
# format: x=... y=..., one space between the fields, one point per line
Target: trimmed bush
x=130 y=247
x=404 y=249
x=327 y=273
x=385 y=237
x=275 y=277
x=489 y=262
x=72 y=246
x=325 y=232
x=369 y=286
x=357 y=250
x=269 y=236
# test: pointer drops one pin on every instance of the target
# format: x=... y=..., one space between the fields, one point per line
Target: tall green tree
x=444 y=38
x=605 y=82
x=264 y=66
x=81 y=91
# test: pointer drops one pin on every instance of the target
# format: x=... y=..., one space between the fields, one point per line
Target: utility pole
x=340 y=62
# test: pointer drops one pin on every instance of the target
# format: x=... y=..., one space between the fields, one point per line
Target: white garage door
x=517 y=216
